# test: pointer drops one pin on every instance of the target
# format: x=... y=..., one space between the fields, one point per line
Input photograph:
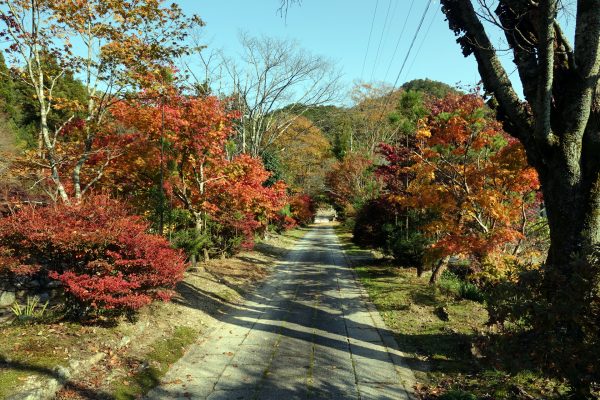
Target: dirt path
x=308 y=333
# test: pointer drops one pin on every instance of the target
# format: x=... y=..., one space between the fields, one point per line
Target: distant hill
x=430 y=87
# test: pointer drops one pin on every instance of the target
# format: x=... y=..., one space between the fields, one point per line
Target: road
x=308 y=333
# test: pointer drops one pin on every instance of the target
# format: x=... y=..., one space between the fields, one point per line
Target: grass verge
x=164 y=352
x=442 y=332
x=36 y=351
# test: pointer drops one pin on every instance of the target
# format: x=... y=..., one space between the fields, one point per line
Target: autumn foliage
x=224 y=195
x=303 y=209
x=457 y=186
x=350 y=183
x=463 y=168
x=103 y=256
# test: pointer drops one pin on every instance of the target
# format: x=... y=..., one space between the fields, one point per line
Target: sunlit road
x=308 y=333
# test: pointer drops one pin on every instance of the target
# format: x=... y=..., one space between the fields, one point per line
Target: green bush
x=470 y=291
x=457 y=395
x=462 y=289
x=407 y=251
x=192 y=242
x=450 y=283
x=370 y=219
x=216 y=239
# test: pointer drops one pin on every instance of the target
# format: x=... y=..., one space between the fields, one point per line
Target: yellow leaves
x=423 y=133
x=67 y=104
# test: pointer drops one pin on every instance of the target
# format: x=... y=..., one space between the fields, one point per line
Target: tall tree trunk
x=559 y=124
x=559 y=127
x=573 y=218
x=54 y=171
x=200 y=226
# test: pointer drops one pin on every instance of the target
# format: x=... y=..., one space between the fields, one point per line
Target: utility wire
x=369 y=42
x=412 y=43
x=422 y=42
x=398 y=41
x=387 y=15
x=389 y=26
x=387 y=100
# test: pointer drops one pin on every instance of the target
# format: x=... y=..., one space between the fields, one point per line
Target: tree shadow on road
x=303 y=304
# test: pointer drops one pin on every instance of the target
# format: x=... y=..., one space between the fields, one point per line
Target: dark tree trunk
x=559 y=123
x=559 y=127
x=572 y=218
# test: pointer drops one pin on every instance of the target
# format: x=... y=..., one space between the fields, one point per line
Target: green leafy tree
x=429 y=87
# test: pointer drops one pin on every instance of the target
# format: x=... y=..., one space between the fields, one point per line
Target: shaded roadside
x=132 y=356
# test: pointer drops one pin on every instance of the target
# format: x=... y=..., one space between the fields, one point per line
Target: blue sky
x=339 y=29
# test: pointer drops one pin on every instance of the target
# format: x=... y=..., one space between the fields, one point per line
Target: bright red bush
x=303 y=209
x=103 y=257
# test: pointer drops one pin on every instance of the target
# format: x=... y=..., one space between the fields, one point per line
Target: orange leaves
x=199 y=174
x=350 y=179
x=462 y=169
x=305 y=154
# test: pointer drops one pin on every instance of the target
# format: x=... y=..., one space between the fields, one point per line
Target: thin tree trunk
x=438 y=270
x=54 y=171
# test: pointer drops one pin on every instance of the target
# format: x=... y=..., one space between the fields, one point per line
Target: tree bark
x=438 y=270
x=52 y=160
x=559 y=123
x=559 y=127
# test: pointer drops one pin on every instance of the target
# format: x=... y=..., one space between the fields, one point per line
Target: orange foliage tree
x=350 y=183
x=305 y=155
x=101 y=41
x=200 y=176
x=474 y=180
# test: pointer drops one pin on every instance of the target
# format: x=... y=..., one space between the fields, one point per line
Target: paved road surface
x=308 y=333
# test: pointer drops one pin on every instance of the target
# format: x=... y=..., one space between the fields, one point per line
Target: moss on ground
x=443 y=354
x=164 y=352
x=36 y=350
x=10 y=379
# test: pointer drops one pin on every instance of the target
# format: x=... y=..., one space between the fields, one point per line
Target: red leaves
x=103 y=256
x=241 y=201
x=303 y=208
x=462 y=169
x=202 y=177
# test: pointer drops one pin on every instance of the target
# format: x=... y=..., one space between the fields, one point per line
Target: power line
x=369 y=42
x=399 y=40
x=387 y=14
x=389 y=26
x=412 y=43
x=422 y=42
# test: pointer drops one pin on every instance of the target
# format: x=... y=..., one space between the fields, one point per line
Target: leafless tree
x=273 y=82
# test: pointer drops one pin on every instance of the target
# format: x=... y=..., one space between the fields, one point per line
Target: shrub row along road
x=308 y=333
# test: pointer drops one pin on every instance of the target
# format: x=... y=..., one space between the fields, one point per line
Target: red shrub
x=303 y=209
x=103 y=256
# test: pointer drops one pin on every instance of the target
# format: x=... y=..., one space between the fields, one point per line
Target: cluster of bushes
x=104 y=258
x=476 y=218
x=192 y=189
x=381 y=225
x=558 y=310
x=451 y=192
x=302 y=209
